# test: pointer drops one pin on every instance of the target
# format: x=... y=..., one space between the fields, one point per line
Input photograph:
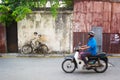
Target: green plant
x=16 y=10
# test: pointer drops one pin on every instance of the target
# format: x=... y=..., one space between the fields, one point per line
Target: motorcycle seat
x=98 y=55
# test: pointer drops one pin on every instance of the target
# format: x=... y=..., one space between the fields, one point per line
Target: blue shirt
x=93 y=46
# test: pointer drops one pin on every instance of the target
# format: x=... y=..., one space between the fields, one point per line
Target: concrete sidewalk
x=5 y=55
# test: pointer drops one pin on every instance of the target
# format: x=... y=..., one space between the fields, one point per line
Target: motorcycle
x=98 y=63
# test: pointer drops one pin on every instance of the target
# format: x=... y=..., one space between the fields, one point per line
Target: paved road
x=50 y=69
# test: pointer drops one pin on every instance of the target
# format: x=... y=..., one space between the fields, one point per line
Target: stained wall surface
x=56 y=32
x=90 y=13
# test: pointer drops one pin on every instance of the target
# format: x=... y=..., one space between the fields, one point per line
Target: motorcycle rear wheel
x=103 y=66
x=68 y=66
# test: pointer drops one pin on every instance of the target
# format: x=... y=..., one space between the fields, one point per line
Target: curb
x=113 y=55
x=15 y=55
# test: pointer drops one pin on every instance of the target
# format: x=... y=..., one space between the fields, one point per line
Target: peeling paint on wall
x=98 y=13
x=89 y=13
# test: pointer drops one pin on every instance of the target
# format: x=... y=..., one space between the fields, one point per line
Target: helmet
x=35 y=33
x=91 y=33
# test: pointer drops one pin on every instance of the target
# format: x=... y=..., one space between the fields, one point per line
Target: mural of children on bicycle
x=36 y=44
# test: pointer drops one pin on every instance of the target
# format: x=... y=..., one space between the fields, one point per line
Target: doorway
x=12 y=39
x=2 y=39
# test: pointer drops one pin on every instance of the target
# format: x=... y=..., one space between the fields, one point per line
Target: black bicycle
x=31 y=48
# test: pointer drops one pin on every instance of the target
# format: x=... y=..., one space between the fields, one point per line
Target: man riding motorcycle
x=90 y=48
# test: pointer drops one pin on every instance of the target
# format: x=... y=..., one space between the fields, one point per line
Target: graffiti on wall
x=115 y=38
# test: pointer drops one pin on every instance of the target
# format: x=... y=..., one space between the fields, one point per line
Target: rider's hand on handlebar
x=84 y=47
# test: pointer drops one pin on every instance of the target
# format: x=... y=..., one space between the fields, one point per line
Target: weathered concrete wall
x=89 y=13
x=56 y=32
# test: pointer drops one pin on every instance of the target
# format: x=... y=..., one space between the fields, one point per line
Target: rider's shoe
x=88 y=66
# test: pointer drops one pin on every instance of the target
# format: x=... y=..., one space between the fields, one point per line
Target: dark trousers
x=84 y=55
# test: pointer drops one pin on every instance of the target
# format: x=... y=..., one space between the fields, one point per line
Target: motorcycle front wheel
x=103 y=65
x=68 y=66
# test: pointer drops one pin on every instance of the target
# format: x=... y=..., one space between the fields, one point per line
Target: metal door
x=2 y=39
x=11 y=35
x=98 y=35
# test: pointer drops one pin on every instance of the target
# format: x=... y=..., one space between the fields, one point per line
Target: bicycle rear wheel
x=26 y=49
x=44 y=49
